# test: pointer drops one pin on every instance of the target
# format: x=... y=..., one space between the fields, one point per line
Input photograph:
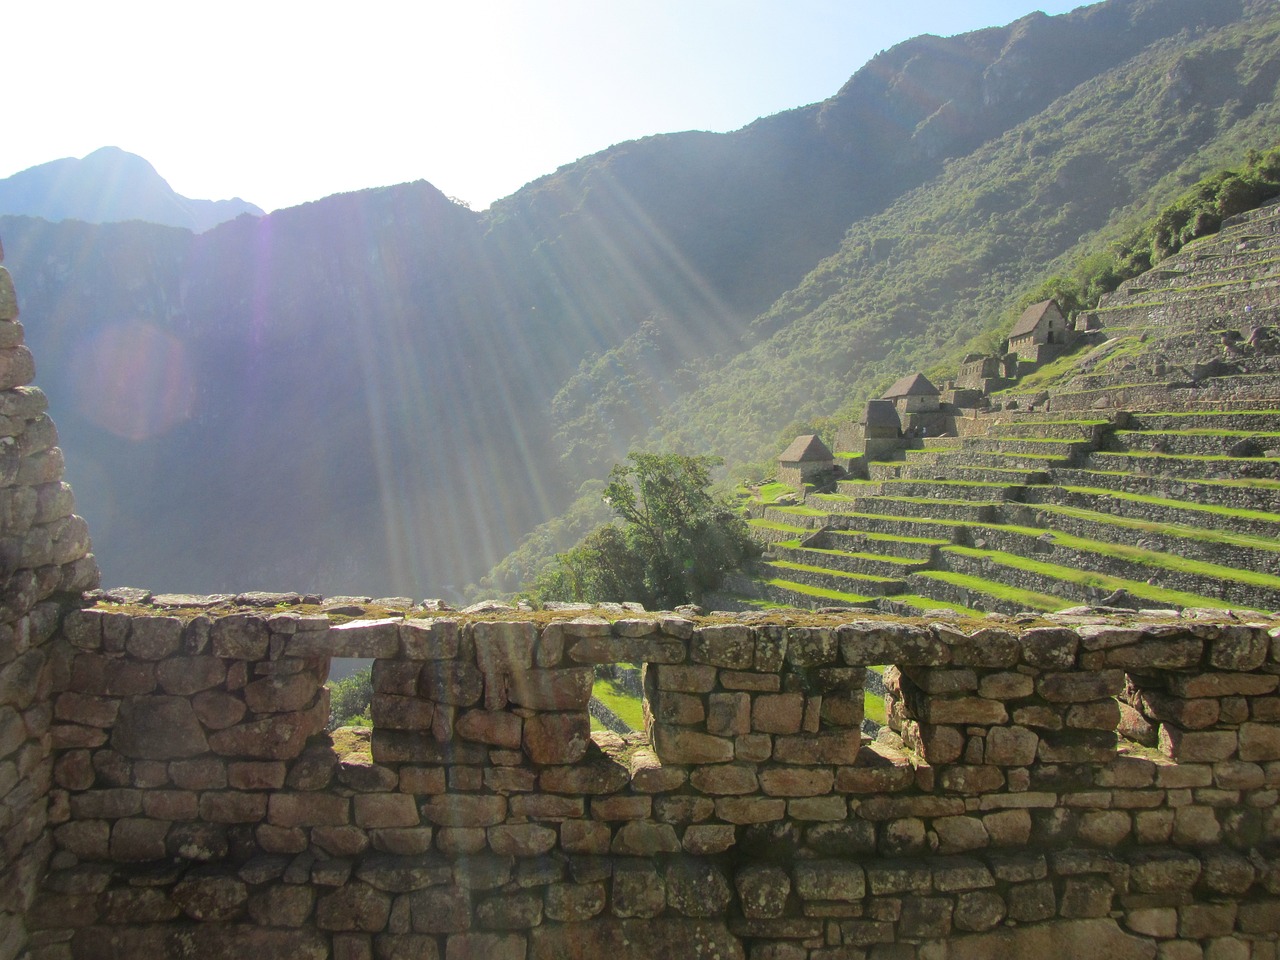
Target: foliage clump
x=675 y=542
x=350 y=699
x=1197 y=213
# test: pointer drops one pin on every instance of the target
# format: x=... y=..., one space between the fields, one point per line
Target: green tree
x=350 y=699
x=675 y=543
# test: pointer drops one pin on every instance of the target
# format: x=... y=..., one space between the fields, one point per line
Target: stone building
x=1041 y=333
x=913 y=394
x=806 y=460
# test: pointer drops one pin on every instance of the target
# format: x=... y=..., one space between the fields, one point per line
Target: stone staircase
x=1149 y=477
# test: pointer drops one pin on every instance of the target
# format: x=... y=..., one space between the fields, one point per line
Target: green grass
x=884 y=537
x=770 y=492
x=790 y=565
x=620 y=702
x=885 y=557
x=1025 y=598
x=1242 y=540
x=929 y=603
x=774 y=525
x=799 y=511
x=851 y=599
x=1207 y=508
x=873 y=708
x=1198 y=432
x=1085 y=578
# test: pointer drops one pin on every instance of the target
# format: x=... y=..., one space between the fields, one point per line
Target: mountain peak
x=107 y=186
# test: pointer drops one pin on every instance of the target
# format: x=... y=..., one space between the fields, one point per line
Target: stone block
x=376 y=810
x=839 y=746
x=729 y=714
x=404 y=713
x=103 y=676
x=434 y=639
x=778 y=713
x=573 y=902
x=812 y=646
x=742 y=810
x=641 y=839
x=379 y=639
x=183 y=676
x=565 y=689
x=217 y=709
x=451 y=682
x=1259 y=741
x=627 y=650
x=158 y=728
x=506 y=647
x=638 y=891
x=153 y=638
x=521 y=840
x=240 y=636
x=356 y=907
x=677 y=745
x=696 y=888
x=1175 y=653
x=685 y=679
x=708 y=839
x=462 y=810
x=1191 y=686
x=725 y=779
x=557 y=738
x=1206 y=746
x=1081 y=686
x=727 y=645
x=585 y=837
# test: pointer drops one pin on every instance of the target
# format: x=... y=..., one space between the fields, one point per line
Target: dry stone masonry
x=44 y=552
x=198 y=809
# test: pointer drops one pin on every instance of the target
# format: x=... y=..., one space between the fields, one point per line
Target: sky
x=281 y=102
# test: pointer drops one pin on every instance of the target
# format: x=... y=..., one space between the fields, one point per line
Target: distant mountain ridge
x=384 y=390
x=111 y=185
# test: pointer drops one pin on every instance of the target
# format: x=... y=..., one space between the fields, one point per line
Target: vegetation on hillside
x=674 y=543
x=350 y=699
x=1199 y=212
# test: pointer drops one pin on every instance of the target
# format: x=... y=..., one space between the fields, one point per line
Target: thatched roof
x=912 y=385
x=806 y=448
x=1032 y=316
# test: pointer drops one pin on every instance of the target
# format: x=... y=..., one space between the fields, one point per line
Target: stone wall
x=198 y=809
x=44 y=552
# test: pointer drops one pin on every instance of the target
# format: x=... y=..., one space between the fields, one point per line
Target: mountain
x=383 y=391
x=109 y=186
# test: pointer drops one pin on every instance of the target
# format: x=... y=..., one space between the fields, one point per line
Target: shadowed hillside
x=378 y=387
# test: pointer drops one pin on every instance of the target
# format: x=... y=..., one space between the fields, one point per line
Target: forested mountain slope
x=373 y=392
x=912 y=285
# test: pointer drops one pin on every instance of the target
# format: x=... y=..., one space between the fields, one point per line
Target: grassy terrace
x=626 y=706
x=1084 y=578
x=1121 y=551
x=836 y=597
x=1197 y=457
x=882 y=557
x=1198 y=432
x=806 y=568
x=1207 y=509
x=1028 y=599
x=781 y=527
x=1242 y=540
x=929 y=603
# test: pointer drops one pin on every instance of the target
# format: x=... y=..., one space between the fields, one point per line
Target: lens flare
x=134 y=380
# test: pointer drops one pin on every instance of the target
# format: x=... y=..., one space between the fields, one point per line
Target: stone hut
x=976 y=370
x=806 y=460
x=913 y=394
x=1041 y=326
